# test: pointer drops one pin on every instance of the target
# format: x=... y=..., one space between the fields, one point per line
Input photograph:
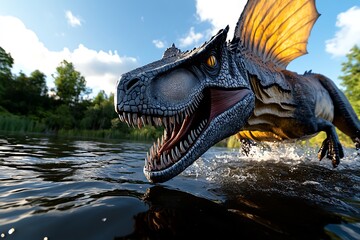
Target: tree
x=70 y=85
x=26 y=95
x=100 y=114
x=37 y=83
x=6 y=63
x=351 y=78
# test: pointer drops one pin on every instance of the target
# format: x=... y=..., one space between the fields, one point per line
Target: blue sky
x=107 y=38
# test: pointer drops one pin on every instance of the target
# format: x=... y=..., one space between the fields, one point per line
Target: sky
x=104 y=39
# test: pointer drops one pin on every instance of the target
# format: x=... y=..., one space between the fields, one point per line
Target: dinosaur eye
x=211 y=61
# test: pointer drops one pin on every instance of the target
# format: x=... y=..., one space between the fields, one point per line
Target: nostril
x=131 y=83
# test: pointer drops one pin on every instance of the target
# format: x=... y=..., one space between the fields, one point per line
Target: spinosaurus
x=241 y=87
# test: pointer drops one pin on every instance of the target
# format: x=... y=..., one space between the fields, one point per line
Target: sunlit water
x=57 y=188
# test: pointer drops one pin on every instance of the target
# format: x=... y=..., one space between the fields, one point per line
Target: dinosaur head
x=199 y=97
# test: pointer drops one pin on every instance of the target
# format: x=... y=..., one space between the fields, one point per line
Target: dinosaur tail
x=345 y=117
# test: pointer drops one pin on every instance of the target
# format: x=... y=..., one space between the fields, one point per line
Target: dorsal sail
x=277 y=30
x=270 y=34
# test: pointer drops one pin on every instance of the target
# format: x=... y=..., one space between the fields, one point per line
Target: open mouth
x=183 y=129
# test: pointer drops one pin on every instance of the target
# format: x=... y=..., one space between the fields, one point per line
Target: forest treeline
x=27 y=105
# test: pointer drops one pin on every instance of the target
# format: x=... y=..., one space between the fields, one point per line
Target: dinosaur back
x=271 y=33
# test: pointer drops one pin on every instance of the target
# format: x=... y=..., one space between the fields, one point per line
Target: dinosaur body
x=276 y=115
x=240 y=87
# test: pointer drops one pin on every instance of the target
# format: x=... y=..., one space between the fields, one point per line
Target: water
x=57 y=188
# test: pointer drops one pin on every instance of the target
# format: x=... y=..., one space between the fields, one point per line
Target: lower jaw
x=226 y=124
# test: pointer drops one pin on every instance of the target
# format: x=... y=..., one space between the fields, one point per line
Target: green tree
x=6 y=63
x=100 y=113
x=37 y=83
x=26 y=95
x=70 y=85
x=351 y=78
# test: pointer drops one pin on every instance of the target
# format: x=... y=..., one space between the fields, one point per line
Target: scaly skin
x=224 y=88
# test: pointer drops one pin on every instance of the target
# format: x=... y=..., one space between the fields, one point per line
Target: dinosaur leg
x=345 y=117
x=331 y=146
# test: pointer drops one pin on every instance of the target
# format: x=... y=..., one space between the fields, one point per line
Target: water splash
x=288 y=169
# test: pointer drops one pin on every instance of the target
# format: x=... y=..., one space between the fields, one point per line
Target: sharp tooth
x=148 y=118
x=157 y=166
x=178 y=154
x=169 y=159
x=198 y=131
x=196 y=101
x=193 y=135
x=190 y=139
x=152 y=152
x=155 y=148
x=139 y=123
x=143 y=120
x=129 y=118
x=163 y=156
x=186 y=144
x=182 y=147
x=160 y=121
x=134 y=118
x=172 y=120
x=152 y=165
x=173 y=155
x=190 y=110
x=164 y=120
x=162 y=163
x=193 y=107
x=157 y=121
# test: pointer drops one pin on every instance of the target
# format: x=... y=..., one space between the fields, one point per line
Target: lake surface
x=59 y=188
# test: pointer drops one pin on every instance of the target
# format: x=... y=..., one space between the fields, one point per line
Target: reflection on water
x=58 y=188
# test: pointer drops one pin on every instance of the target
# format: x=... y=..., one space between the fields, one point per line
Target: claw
x=323 y=149
x=332 y=150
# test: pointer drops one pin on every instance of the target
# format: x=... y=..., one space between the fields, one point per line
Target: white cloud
x=191 y=38
x=101 y=69
x=220 y=13
x=348 y=35
x=72 y=20
x=159 y=43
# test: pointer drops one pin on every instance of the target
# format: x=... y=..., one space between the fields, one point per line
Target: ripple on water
x=99 y=188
